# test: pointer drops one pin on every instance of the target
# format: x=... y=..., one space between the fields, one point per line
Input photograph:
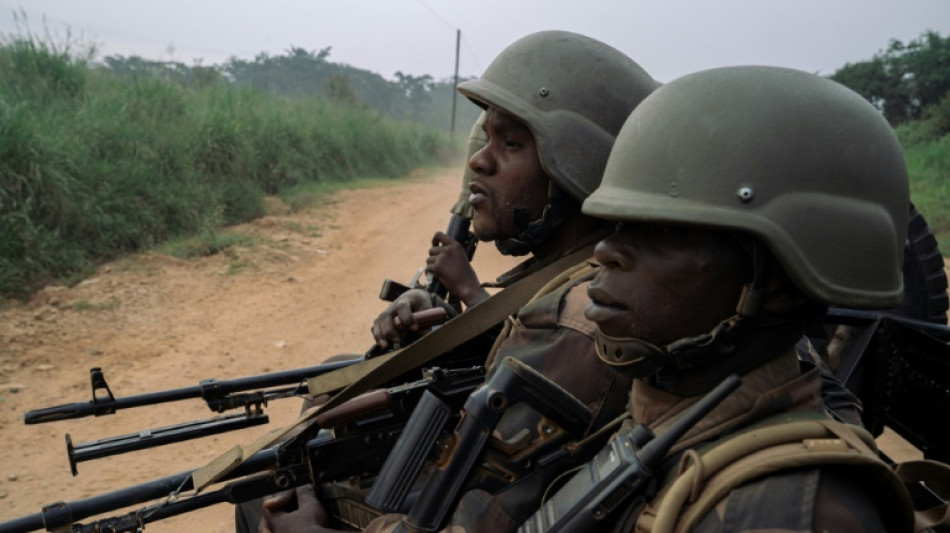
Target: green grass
x=927 y=154
x=85 y=305
x=196 y=247
x=95 y=166
x=238 y=266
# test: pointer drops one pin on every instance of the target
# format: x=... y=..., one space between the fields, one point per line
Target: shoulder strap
x=936 y=476
x=361 y=377
x=468 y=325
x=705 y=477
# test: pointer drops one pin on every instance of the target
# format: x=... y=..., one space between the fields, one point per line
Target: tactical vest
x=706 y=475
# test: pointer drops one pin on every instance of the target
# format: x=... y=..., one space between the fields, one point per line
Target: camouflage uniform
x=807 y=499
x=551 y=335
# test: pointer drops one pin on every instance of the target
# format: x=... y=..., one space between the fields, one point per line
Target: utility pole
x=455 y=93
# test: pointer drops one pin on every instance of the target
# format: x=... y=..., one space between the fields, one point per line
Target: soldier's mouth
x=478 y=195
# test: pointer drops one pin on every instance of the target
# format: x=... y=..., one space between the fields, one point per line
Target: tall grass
x=926 y=146
x=93 y=166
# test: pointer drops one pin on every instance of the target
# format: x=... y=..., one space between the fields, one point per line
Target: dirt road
x=307 y=291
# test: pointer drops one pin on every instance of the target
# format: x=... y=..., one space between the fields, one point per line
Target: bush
x=94 y=164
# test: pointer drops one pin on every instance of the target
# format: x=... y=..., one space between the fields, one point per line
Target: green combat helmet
x=573 y=93
x=802 y=163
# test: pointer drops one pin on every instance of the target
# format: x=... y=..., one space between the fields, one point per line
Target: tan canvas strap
x=936 y=476
x=363 y=376
x=460 y=329
x=581 y=269
x=706 y=478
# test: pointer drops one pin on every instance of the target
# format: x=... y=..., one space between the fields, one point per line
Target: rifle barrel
x=209 y=389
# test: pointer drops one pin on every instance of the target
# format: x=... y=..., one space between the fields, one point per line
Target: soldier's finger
x=441 y=239
x=378 y=335
x=406 y=322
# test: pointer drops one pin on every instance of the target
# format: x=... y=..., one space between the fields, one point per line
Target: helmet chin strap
x=532 y=233
x=638 y=358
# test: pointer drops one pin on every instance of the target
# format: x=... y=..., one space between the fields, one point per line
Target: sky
x=669 y=38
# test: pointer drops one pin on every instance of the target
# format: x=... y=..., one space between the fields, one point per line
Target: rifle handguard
x=514 y=382
x=404 y=463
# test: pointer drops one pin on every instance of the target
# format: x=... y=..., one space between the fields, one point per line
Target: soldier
x=748 y=199
x=553 y=102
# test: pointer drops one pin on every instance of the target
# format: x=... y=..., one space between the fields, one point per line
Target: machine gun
x=351 y=440
x=220 y=396
x=896 y=365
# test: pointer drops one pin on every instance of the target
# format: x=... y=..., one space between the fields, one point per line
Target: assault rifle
x=220 y=396
x=565 y=418
x=343 y=443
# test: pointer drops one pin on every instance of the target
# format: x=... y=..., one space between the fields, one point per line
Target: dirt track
x=154 y=322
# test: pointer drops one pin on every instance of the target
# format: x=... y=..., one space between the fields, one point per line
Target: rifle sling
x=361 y=377
x=468 y=325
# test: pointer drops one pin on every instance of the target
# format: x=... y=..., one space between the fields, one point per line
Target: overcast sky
x=668 y=38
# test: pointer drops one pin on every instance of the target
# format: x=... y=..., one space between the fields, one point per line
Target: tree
x=903 y=80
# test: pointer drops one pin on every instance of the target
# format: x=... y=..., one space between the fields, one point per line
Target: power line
x=453 y=27
x=472 y=54
x=436 y=15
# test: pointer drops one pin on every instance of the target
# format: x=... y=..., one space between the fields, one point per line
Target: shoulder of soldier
x=561 y=307
x=823 y=498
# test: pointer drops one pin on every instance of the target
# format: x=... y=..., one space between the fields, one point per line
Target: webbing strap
x=936 y=476
x=363 y=376
x=453 y=333
x=705 y=478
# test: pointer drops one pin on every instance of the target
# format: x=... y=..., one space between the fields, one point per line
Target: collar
x=778 y=385
x=526 y=268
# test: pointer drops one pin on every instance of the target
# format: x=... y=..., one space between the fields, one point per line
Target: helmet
x=572 y=92
x=803 y=164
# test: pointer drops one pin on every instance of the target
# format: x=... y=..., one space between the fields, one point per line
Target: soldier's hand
x=447 y=262
x=396 y=322
x=281 y=515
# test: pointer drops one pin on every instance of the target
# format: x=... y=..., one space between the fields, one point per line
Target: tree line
x=300 y=72
x=906 y=81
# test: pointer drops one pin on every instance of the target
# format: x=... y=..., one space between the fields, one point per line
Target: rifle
x=351 y=440
x=457 y=230
x=513 y=383
x=220 y=396
x=620 y=473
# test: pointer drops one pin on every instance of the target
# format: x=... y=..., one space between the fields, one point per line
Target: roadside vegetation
x=101 y=159
x=95 y=164
x=910 y=83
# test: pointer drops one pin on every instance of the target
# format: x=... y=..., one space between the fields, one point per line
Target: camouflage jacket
x=552 y=335
x=804 y=499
